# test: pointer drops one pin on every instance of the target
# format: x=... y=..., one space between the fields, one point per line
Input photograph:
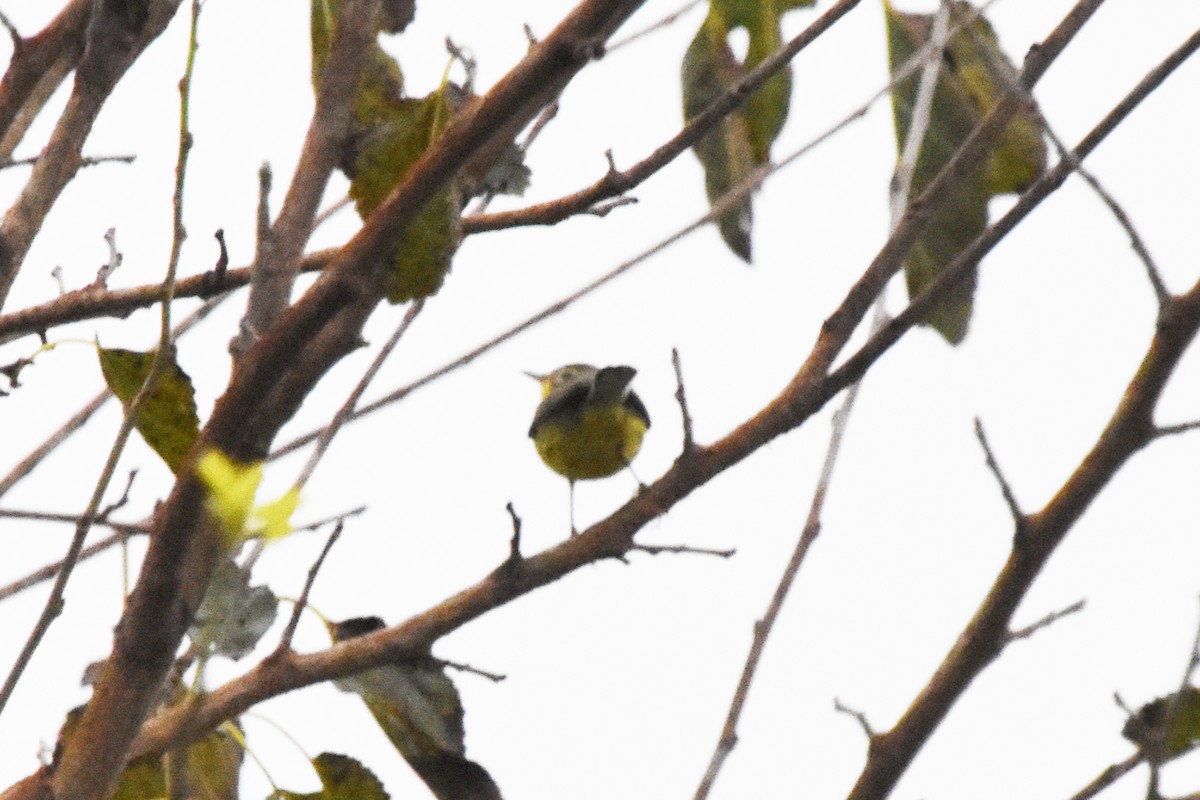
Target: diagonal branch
x=280 y=248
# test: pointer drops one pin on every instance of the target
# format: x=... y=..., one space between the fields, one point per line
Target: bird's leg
x=641 y=486
x=574 y=530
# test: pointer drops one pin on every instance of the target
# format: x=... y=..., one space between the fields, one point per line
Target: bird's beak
x=535 y=376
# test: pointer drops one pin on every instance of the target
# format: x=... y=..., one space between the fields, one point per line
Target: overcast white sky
x=619 y=676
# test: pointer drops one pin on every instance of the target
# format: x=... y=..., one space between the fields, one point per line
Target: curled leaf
x=972 y=79
x=741 y=142
x=419 y=709
x=166 y=417
x=233 y=615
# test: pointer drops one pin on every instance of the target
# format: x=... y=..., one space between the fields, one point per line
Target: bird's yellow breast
x=598 y=442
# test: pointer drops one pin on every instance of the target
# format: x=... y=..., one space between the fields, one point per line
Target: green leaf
x=1166 y=727
x=342 y=778
x=742 y=141
x=390 y=133
x=970 y=83
x=380 y=84
x=167 y=417
x=423 y=255
x=233 y=615
x=419 y=709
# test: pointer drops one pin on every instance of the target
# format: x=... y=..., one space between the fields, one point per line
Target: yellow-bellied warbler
x=589 y=424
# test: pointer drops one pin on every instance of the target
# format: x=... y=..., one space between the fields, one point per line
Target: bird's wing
x=562 y=402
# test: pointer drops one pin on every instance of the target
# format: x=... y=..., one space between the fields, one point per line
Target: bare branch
x=1108 y=777
x=84 y=161
x=657 y=549
x=494 y=677
x=514 y=546
x=50 y=570
x=906 y=165
x=664 y=22
x=285 y=642
x=857 y=716
x=993 y=466
x=89 y=304
x=347 y=409
x=277 y=262
x=1173 y=430
x=1046 y=621
x=616 y=183
x=689 y=440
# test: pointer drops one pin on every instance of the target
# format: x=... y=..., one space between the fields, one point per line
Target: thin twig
x=494 y=677
x=1172 y=430
x=906 y=166
x=123 y=530
x=347 y=409
x=17 y=41
x=514 y=544
x=689 y=440
x=1046 y=621
x=858 y=716
x=85 y=161
x=664 y=22
x=329 y=212
x=285 y=642
x=1010 y=499
x=656 y=549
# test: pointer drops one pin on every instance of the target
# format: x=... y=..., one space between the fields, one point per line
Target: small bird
x=589 y=424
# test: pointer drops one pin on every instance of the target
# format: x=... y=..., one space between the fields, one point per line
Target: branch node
x=114 y=260
x=858 y=716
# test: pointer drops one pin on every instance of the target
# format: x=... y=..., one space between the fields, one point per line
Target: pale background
x=619 y=676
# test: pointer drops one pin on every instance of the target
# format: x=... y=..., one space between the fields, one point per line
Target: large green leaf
x=419 y=709
x=166 y=418
x=970 y=83
x=390 y=133
x=742 y=141
x=422 y=257
x=381 y=82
